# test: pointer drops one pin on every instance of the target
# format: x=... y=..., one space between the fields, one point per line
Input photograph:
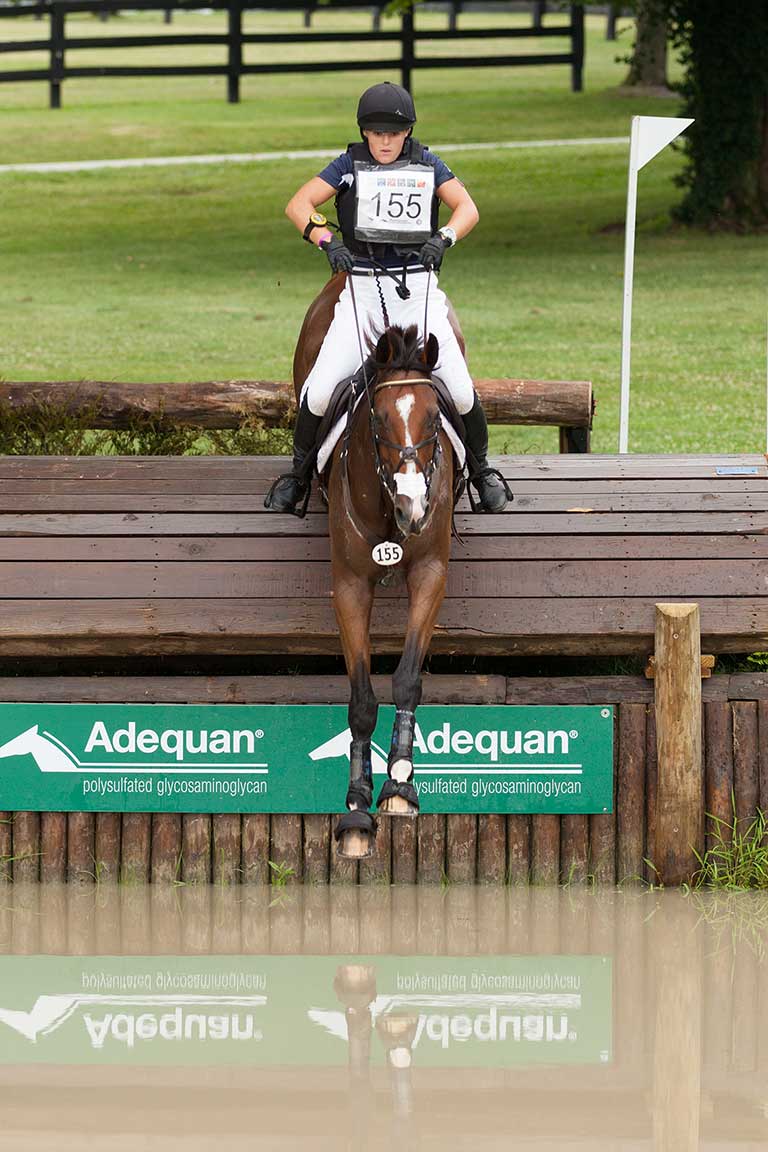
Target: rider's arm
x=464 y=213
x=306 y=201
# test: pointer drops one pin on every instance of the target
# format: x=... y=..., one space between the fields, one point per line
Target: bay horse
x=391 y=480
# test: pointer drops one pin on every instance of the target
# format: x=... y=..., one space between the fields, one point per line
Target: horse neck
x=361 y=467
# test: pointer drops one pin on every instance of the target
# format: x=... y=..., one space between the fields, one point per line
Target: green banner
x=489 y=1011
x=295 y=758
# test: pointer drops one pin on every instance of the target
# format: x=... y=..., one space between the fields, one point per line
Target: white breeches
x=340 y=354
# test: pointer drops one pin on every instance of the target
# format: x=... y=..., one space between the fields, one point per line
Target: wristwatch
x=316 y=220
x=448 y=234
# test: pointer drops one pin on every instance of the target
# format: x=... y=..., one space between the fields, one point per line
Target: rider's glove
x=431 y=255
x=339 y=256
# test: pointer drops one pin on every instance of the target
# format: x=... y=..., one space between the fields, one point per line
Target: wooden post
x=408 y=49
x=235 y=62
x=679 y=798
x=577 y=47
x=56 y=54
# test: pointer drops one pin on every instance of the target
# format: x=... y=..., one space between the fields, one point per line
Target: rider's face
x=385 y=146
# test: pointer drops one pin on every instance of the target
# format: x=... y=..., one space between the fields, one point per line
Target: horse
x=391 y=481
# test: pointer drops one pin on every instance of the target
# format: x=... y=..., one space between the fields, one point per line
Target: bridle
x=407 y=453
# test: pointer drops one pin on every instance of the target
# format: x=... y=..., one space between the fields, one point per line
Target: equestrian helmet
x=386 y=108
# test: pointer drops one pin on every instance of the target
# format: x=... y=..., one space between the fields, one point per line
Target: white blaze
x=410 y=483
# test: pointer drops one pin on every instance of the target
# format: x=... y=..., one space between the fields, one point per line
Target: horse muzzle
x=410 y=502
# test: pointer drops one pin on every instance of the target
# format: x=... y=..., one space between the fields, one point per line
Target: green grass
x=738 y=856
x=194 y=273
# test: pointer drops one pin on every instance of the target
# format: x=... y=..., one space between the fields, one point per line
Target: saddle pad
x=333 y=437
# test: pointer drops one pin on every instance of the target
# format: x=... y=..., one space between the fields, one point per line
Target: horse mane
x=406 y=348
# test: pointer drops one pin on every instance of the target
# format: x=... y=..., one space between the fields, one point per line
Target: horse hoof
x=355 y=845
x=398 y=806
x=398 y=798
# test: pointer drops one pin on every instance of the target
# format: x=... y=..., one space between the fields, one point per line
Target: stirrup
x=476 y=502
x=300 y=506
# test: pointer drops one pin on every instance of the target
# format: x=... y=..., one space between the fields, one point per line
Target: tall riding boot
x=492 y=489
x=290 y=493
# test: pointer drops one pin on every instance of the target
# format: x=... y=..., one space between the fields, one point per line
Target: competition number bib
x=394 y=205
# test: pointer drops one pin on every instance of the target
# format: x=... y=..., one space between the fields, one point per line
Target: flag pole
x=629 y=271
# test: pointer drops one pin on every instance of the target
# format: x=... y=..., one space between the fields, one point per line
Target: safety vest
x=388 y=208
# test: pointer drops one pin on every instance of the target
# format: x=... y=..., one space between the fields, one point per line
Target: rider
x=388 y=190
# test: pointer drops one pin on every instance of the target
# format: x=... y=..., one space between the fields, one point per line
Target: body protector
x=388 y=206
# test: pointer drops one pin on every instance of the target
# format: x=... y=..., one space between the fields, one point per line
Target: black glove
x=431 y=255
x=339 y=256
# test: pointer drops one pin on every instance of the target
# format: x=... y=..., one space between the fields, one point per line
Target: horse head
x=406 y=422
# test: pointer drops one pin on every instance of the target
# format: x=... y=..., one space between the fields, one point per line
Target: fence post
x=408 y=43
x=539 y=11
x=679 y=796
x=577 y=47
x=610 y=25
x=453 y=15
x=376 y=14
x=57 y=53
x=308 y=15
x=235 y=62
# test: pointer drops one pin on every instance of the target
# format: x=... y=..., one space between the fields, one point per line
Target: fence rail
x=408 y=36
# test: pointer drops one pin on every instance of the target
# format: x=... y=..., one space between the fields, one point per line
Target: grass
x=193 y=273
x=738 y=856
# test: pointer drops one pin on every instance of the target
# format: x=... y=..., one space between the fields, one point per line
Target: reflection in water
x=351 y=1018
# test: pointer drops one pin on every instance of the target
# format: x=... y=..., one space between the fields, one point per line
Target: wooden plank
x=679 y=804
x=226 y=848
x=518 y=849
x=651 y=792
x=292 y=580
x=135 y=856
x=491 y=849
x=6 y=847
x=630 y=814
x=26 y=847
x=404 y=851
x=431 y=834
x=53 y=842
x=461 y=848
x=166 y=847
x=545 y=849
x=107 y=846
x=746 y=772
x=81 y=847
x=196 y=848
x=316 y=849
x=762 y=722
x=285 y=847
x=255 y=848
x=377 y=869
x=574 y=849
x=718 y=771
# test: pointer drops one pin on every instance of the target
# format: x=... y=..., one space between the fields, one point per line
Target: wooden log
x=255 y=848
x=317 y=848
x=341 y=871
x=630 y=809
x=81 y=847
x=762 y=720
x=107 y=839
x=26 y=848
x=602 y=829
x=718 y=771
x=491 y=848
x=461 y=848
x=53 y=845
x=196 y=849
x=651 y=787
x=377 y=869
x=285 y=848
x=431 y=836
x=227 y=845
x=404 y=851
x=166 y=847
x=680 y=792
x=545 y=849
x=746 y=771
x=225 y=404
x=518 y=849
x=6 y=847
x=574 y=849
x=135 y=855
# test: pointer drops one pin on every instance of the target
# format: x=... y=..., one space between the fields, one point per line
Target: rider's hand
x=431 y=255
x=339 y=256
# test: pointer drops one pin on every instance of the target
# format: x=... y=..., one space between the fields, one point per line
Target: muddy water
x=352 y=1019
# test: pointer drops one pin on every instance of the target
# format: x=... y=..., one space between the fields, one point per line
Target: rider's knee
x=317 y=401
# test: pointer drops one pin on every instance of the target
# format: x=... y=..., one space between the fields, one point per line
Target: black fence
x=58 y=43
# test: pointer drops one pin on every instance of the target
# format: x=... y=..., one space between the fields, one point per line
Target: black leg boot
x=492 y=489
x=290 y=493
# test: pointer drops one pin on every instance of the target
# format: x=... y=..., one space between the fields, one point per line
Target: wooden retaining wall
x=545 y=849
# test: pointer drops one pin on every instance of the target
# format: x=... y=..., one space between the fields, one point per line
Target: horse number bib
x=394 y=203
x=387 y=554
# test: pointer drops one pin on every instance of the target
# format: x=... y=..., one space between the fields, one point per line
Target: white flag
x=654 y=133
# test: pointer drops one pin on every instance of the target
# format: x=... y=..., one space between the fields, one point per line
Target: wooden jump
x=153 y=556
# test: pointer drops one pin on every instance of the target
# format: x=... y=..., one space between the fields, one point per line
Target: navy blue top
x=341 y=170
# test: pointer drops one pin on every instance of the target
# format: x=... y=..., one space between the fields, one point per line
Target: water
x=381 y=1018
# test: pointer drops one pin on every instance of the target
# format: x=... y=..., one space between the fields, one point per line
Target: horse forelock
x=405 y=349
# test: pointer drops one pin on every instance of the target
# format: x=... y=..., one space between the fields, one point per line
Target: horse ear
x=383 y=353
x=431 y=351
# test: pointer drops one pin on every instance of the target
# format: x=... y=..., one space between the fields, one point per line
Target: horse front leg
x=356 y=830
x=426 y=588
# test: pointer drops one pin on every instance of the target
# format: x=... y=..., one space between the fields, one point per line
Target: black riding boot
x=290 y=493
x=492 y=489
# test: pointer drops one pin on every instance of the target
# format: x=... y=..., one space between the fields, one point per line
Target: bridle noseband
x=407 y=453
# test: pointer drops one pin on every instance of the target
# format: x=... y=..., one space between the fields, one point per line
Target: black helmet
x=386 y=108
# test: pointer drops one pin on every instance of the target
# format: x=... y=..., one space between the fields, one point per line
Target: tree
x=648 y=64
